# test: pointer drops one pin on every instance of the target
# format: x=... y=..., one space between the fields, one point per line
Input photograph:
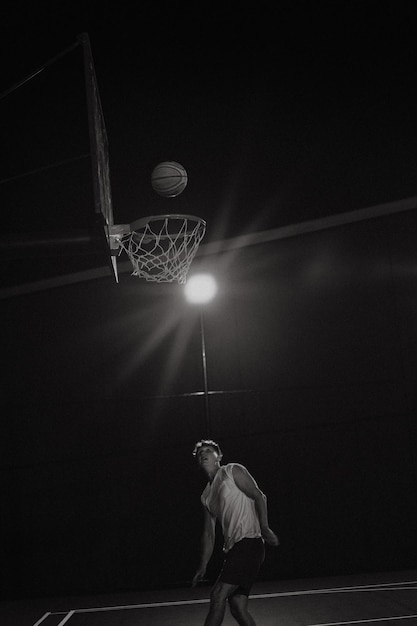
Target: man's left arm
x=246 y=483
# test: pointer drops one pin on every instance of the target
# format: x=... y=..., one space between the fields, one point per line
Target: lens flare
x=200 y=288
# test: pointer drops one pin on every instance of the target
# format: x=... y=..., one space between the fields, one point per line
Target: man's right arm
x=207 y=545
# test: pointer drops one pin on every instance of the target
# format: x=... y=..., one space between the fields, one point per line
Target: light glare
x=200 y=288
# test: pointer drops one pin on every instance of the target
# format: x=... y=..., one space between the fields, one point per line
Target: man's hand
x=199 y=575
x=269 y=536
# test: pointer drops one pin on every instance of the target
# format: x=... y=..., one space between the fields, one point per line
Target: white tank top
x=233 y=509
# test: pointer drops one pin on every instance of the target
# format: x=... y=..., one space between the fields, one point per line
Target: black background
x=279 y=116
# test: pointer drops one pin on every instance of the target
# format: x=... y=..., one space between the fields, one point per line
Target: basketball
x=169 y=179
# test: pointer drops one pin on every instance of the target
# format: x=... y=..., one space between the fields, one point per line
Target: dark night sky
x=279 y=115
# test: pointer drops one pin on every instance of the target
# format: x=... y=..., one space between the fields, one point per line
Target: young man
x=233 y=498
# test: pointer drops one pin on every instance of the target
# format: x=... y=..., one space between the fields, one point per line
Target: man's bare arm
x=207 y=545
x=246 y=483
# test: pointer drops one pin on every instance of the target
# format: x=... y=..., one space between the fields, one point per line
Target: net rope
x=163 y=249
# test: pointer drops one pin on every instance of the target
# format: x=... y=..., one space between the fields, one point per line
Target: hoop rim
x=139 y=223
x=118 y=231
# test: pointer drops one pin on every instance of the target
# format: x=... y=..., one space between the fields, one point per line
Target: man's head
x=204 y=443
x=208 y=455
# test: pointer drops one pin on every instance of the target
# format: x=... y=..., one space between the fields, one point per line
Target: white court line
x=399 y=586
x=336 y=590
x=42 y=618
x=65 y=620
x=148 y=605
x=363 y=621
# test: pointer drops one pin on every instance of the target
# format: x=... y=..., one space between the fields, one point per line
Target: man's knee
x=238 y=605
x=221 y=591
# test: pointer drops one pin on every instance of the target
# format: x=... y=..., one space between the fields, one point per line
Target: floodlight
x=200 y=288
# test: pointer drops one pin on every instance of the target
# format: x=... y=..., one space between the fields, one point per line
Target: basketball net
x=161 y=248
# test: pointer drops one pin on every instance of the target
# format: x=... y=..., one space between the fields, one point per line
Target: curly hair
x=207 y=442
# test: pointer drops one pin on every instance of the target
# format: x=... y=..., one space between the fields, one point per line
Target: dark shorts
x=242 y=563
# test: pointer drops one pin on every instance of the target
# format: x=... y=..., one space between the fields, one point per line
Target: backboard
x=54 y=172
x=99 y=152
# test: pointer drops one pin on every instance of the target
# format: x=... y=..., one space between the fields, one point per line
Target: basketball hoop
x=161 y=248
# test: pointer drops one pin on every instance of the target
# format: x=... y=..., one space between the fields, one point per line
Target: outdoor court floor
x=386 y=599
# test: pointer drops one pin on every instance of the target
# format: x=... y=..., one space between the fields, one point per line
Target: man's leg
x=218 y=599
x=239 y=609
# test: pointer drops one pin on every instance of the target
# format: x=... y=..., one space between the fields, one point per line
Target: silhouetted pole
x=200 y=289
x=204 y=358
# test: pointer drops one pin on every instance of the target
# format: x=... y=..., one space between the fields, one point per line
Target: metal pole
x=203 y=354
